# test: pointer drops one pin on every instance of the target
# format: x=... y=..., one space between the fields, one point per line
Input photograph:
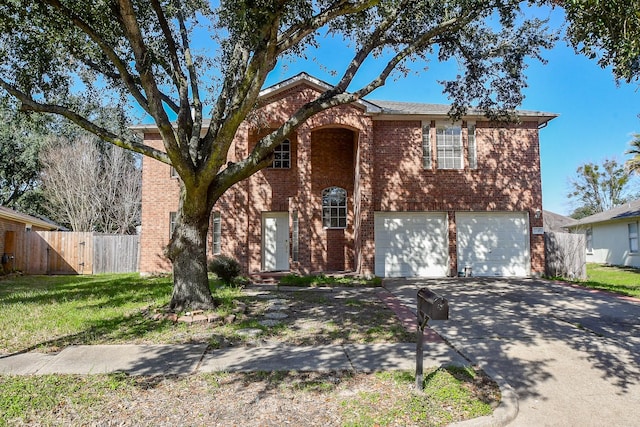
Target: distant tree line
x=599 y=187
x=52 y=169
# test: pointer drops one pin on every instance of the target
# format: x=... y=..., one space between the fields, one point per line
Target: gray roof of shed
x=627 y=211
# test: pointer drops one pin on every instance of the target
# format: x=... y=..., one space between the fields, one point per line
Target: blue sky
x=597 y=116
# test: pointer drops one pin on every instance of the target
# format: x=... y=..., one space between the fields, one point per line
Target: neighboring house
x=612 y=236
x=376 y=187
x=554 y=222
x=12 y=224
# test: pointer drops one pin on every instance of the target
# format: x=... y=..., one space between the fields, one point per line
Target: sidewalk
x=189 y=359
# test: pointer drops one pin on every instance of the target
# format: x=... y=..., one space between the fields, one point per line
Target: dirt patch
x=259 y=399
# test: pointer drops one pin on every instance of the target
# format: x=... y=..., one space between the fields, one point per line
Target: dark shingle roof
x=557 y=222
x=417 y=108
x=627 y=211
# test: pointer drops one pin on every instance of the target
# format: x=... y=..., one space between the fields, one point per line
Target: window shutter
x=426 y=145
x=473 y=150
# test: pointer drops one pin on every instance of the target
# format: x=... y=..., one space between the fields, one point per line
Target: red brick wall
x=160 y=195
x=507 y=177
x=378 y=162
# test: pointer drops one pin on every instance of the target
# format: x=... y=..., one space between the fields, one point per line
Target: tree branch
x=29 y=104
x=196 y=103
x=179 y=153
x=126 y=77
x=298 y=32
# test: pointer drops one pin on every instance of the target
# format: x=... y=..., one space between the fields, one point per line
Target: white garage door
x=493 y=243
x=411 y=244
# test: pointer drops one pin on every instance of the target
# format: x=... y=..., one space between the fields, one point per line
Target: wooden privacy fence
x=565 y=255
x=60 y=252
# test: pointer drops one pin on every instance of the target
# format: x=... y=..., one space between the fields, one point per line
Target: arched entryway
x=332 y=188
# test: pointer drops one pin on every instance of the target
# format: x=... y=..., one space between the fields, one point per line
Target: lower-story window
x=172 y=222
x=217 y=233
x=334 y=207
x=633 y=237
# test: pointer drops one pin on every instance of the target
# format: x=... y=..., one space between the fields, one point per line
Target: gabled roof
x=378 y=108
x=630 y=210
x=315 y=83
x=557 y=222
x=10 y=214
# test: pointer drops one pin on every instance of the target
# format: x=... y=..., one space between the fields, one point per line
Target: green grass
x=448 y=396
x=322 y=280
x=356 y=399
x=621 y=280
x=50 y=312
x=23 y=398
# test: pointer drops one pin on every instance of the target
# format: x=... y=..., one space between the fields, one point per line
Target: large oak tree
x=141 y=51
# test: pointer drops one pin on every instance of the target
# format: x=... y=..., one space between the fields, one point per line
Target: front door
x=275 y=241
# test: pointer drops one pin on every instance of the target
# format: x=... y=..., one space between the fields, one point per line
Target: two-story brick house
x=376 y=187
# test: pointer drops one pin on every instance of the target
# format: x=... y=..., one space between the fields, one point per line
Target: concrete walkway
x=572 y=355
x=189 y=359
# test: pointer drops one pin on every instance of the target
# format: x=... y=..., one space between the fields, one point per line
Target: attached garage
x=411 y=244
x=493 y=243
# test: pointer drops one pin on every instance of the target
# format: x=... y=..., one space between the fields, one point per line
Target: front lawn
x=621 y=280
x=50 y=312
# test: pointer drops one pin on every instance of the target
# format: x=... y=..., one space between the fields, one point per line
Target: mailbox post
x=430 y=306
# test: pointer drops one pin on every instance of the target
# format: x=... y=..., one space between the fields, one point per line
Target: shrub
x=225 y=267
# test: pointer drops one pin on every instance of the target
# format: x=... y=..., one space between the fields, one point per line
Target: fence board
x=115 y=254
x=61 y=252
x=565 y=255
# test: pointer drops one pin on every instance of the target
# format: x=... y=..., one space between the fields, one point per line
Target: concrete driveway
x=572 y=355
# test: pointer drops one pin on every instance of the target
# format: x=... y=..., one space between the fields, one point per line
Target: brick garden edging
x=196 y=316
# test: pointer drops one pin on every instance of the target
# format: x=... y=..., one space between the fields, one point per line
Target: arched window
x=334 y=207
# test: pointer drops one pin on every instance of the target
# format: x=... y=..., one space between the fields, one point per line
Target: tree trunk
x=188 y=252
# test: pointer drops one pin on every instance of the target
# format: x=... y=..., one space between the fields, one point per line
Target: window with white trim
x=449 y=146
x=172 y=172
x=172 y=222
x=633 y=237
x=589 y=238
x=282 y=156
x=216 y=231
x=472 y=149
x=334 y=207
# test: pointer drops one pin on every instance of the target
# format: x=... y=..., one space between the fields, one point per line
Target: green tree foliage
x=633 y=164
x=142 y=51
x=597 y=188
x=21 y=137
x=607 y=30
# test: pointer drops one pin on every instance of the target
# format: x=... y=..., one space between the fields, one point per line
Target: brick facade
x=377 y=158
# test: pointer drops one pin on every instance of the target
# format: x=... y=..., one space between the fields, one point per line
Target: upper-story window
x=282 y=155
x=449 y=146
x=172 y=172
x=334 y=207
